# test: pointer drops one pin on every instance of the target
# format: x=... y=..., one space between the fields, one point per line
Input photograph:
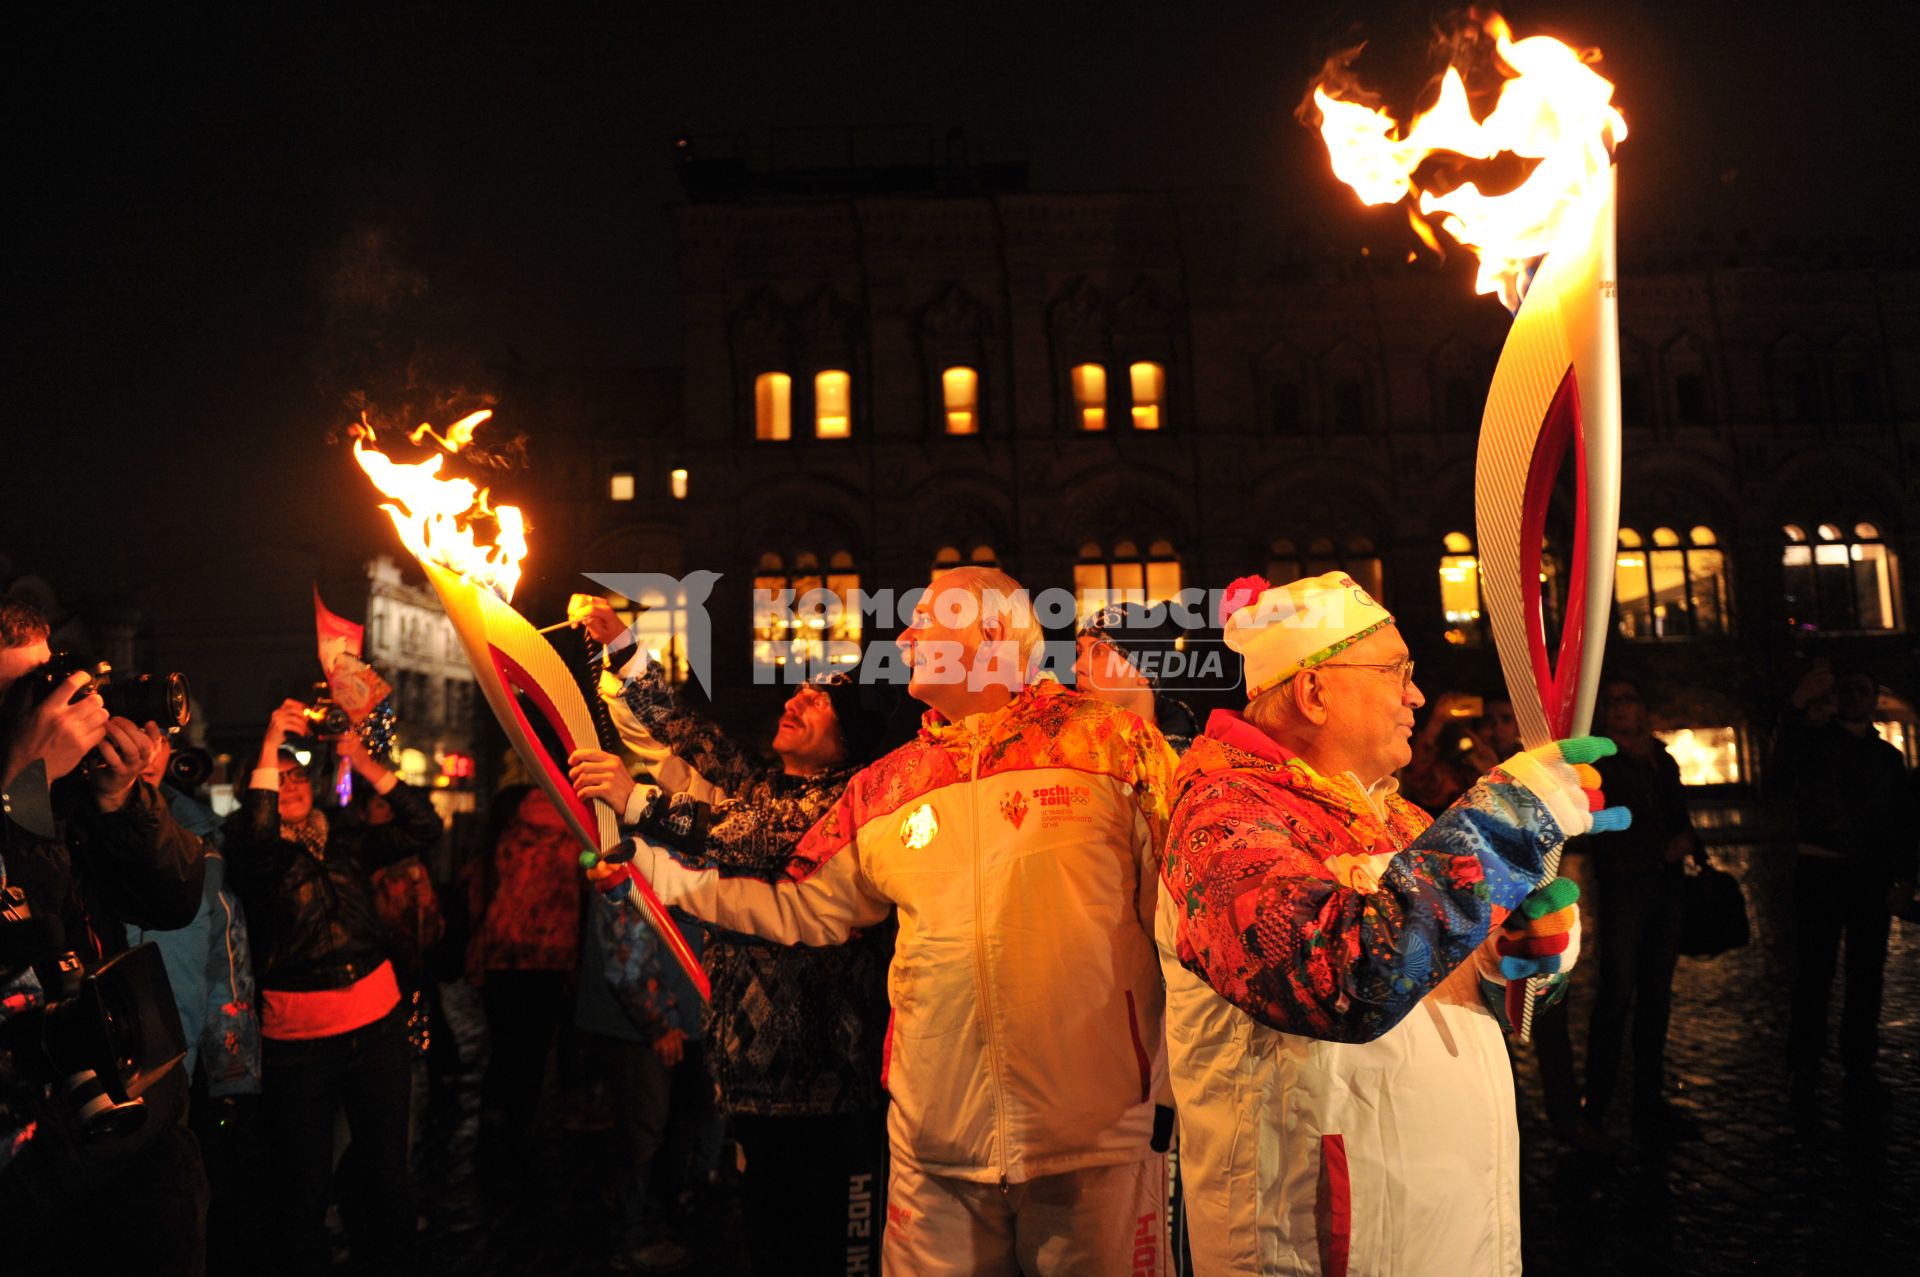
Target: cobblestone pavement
x=1755 y=1193
x=1758 y=1191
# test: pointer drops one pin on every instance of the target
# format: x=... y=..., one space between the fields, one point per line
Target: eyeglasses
x=298 y=775
x=1401 y=669
x=831 y=678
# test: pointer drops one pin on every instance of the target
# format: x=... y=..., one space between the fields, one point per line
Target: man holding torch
x=1344 y=1095
x=1018 y=837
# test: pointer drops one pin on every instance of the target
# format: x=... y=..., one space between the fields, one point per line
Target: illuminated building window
x=1836 y=581
x=773 y=406
x=1460 y=591
x=659 y=618
x=1902 y=736
x=832 y=404
x=1356 y=556
x=1125 y=575
x=1149 y=384
x=620 y=486
x=816 y=627
x=1090 y=395
x=948 y=557
x=960 y=390
x=1667 y=586
x=677 y=484
x=1706 y=755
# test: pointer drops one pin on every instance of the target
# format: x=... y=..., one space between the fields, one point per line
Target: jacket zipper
x=980 y=956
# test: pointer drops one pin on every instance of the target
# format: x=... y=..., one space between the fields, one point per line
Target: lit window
x=832 y=404
x=1706 y=755
x=659 y=618
x=1149 y=390
x=1125 y=575
x=1840 y=583
x=948 y=557
x=1090 y=395
x=677 y=480
x=960 y=388
x=1669 y=589
x=1901 y=736
x=620 y=486
x=816 y=627
x=773 y=406
x=1460 y=591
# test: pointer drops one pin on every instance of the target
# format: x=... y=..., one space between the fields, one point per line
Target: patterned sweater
x=790 y=1030
x=1322 y=910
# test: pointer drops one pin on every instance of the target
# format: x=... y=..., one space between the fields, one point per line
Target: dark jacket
x=312 y=919
x=1650 y=788
x=790 y=1030
x=99 y=872
x=1850 y=795
x=103 y=870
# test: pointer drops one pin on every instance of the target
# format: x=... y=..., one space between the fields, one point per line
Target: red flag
x=356 y=688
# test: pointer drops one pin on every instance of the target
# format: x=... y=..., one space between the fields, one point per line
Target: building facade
x=1087 y=390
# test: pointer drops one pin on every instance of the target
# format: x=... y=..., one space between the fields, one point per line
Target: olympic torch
x=527 y=684
x=1547 y=248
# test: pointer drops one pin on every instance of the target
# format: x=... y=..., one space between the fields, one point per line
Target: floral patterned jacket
x=1323 y=910
x=790 y=1030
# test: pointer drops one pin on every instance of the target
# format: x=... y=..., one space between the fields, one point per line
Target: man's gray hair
x=1271 y=709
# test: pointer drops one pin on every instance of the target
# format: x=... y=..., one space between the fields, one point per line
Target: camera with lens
x=189 y=768
x=99 y=1040
x=140 y=698
x=323 y=716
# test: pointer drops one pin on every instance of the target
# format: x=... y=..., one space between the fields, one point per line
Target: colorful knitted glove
x=1540 y=938
x=1561 y=775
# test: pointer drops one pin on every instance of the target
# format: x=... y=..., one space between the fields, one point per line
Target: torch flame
x=436 y=516
x=458 y=435
x=1552 y=108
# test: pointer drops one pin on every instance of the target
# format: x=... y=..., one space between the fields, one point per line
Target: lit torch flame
x=1552 y=108
x=436 y=516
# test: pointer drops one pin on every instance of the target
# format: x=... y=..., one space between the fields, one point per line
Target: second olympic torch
x=1547 y=248
x=529 y=687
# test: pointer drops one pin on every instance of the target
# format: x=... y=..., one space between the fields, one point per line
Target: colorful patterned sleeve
x=1284 y=921
x=690 y=735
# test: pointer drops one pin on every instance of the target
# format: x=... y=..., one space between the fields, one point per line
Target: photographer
x=91 y=849
x=331 y=1017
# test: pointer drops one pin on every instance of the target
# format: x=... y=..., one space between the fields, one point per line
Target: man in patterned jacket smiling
x=1018 y=837
x=1345 y=1100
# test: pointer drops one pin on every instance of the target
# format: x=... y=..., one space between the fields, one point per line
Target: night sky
x=222 y=227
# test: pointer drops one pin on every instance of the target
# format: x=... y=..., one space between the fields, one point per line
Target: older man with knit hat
x=1344 y=1096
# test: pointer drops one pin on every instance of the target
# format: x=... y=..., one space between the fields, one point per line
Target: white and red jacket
x=1345 y=1101
x=1021 y=849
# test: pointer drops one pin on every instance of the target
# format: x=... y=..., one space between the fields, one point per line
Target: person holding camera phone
x=89 y=847
x=331 y=1018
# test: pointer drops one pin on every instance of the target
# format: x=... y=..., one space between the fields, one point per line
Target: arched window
x=806 y=619
x=1669 y=586
x=1840 y=579
x=1090 y=395
x=1124 y=575
x=960 y=390
x=1856 y=386
x=948 y=557
x=1354 y=555
x=832 y=404
x=1689 y=374
x=1149 y=386
x=773 y=406
x=1460 y=591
